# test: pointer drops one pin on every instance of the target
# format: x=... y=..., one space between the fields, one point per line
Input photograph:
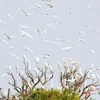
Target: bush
x=52 y=94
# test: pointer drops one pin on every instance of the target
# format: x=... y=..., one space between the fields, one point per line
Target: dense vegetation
x=52 y=94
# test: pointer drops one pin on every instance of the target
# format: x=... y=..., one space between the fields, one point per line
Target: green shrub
x=52 y=94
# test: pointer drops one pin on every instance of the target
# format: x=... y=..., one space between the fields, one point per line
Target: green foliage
x=51 y=94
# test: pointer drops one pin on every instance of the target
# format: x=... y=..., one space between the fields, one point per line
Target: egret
x=43 y=29
x=55 y=16
x=50 y=25
x=80 y=32
x=72 y=43
x=2 y=31
x=11 y=47
x=12 y=54
x=50 y=5
x=89 y=7
x=24 y=12
x=28 y=49
x=10 y=37
x=9 y=53
x=88 y=26
x=81 y=40
x=67 y=48
x=4 y=75
x=45 y=56
x=57 y=22
x=23 y=26
x=8 y=68
x=59 y=64
x=26 y=59
x=46 y=41
x=57 y=43
x=23 y=33
x=4 y=41
x=91 y=88
x=16 y=67
x=1 y=21
x=15 y=56
x=59 y=39
x=37 y=59
x=10 y=16
x=91 y=51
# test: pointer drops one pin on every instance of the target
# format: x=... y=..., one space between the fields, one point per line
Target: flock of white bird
x=40 y=31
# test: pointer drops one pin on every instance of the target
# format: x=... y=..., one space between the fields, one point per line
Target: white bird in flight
x=67 y=48
x=81 y=40
x=88 y=26
x=80 y=32
x=46 y=41
x=50 y=26
x=23 y=33
x=28 y=49
x=11 y=47
x=9 y=16
x=92 y=51
x=23 y=26
x=36 y=6
x=89 y=7
x=15 y=56
x=57 y=43
x=59 y=39
x=43 y=30
x=9 y=37
x=1 y=21
x=50 y=5
x=72 y=43
x=8 y=53
x=12 y=54
x=4 y=41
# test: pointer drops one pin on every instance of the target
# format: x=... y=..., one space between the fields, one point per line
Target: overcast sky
x=73 y=21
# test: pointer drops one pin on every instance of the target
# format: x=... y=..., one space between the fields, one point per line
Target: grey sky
x=73 y=15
